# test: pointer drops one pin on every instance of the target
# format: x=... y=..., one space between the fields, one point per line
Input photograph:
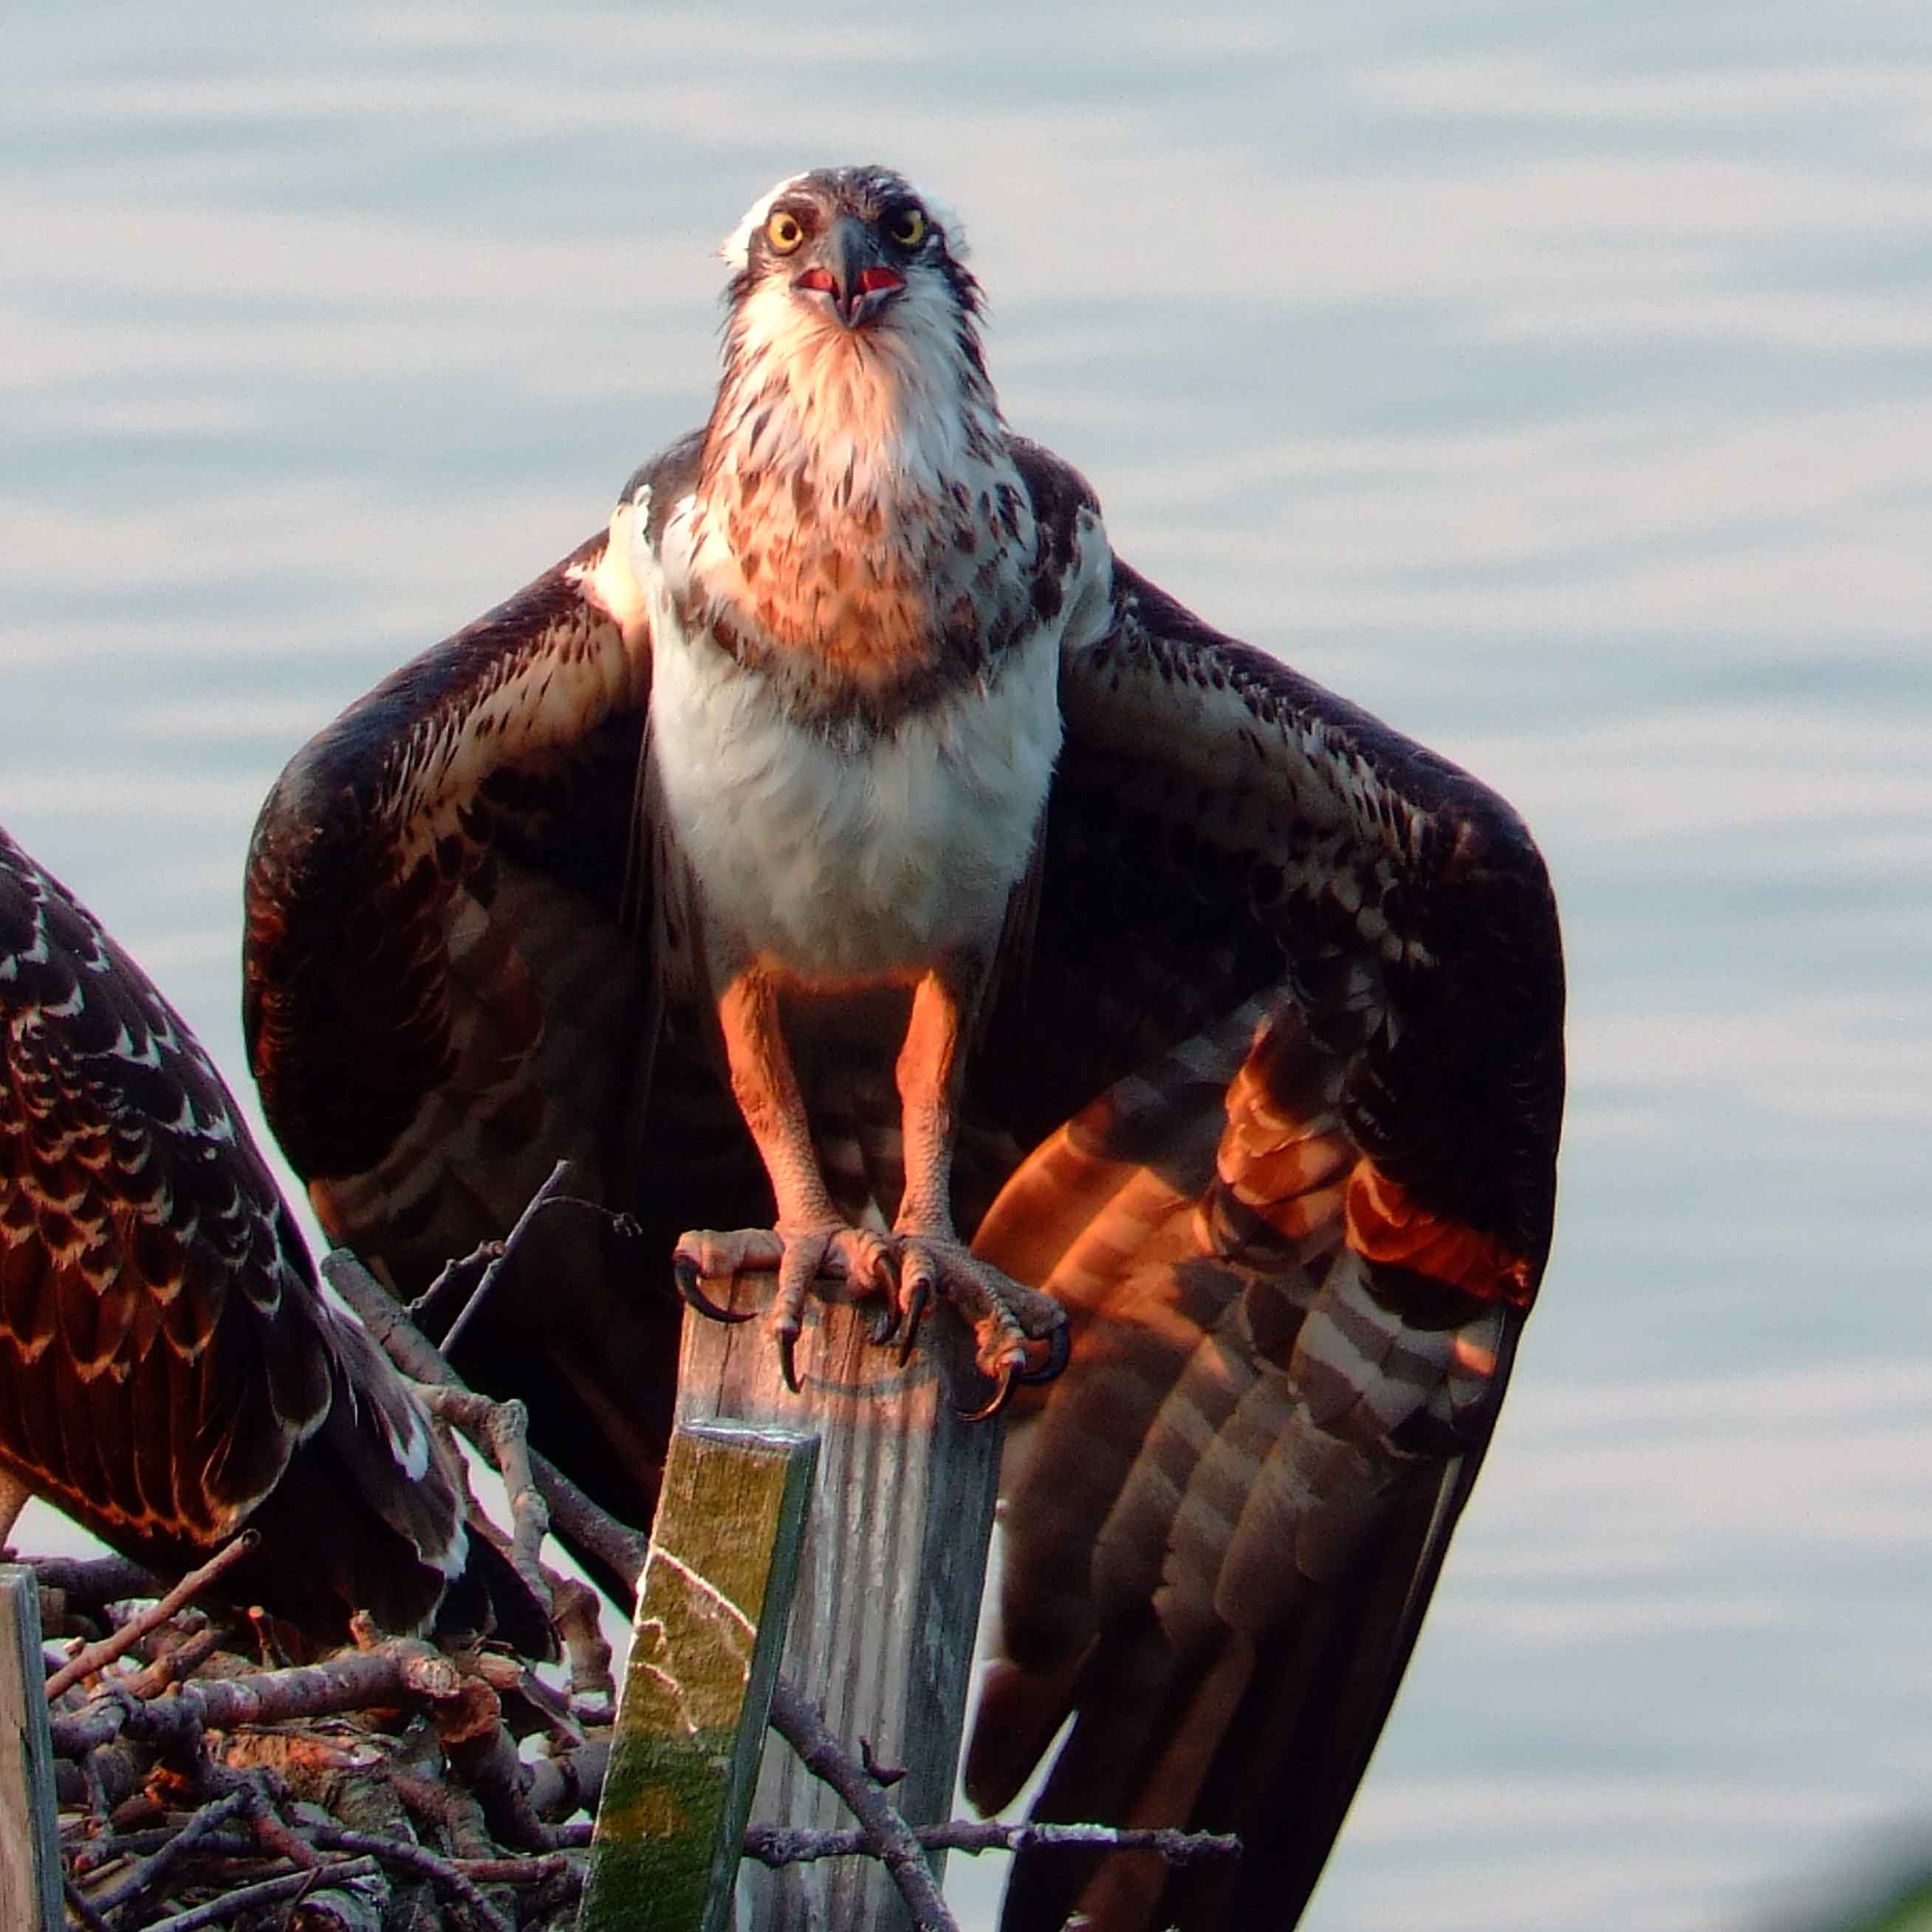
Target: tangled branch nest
x=206 y=1777
x=383 y=1788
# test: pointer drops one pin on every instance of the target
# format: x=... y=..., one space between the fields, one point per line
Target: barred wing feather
x=1313 y=973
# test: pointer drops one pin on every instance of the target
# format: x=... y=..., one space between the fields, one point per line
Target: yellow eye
x=907 y=228
x=784 y=232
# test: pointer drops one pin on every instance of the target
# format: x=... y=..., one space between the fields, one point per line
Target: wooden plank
x=889 y=1585
x=30 y=1871
x=712 y=1610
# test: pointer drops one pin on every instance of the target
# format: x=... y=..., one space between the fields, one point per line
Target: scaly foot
x=798 y=1256
x=1005 y=1314
x=907 y=1271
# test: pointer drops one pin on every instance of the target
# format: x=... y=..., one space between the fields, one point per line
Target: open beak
x=850 y=270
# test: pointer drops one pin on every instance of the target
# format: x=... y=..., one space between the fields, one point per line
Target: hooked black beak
x=850 y=269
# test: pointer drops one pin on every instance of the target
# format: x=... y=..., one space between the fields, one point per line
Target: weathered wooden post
x=890 y=1580
x=30 y=1872
x=712 y=1610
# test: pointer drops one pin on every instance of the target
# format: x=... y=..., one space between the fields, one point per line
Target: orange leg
x=811 y=1238
x=929 y=1076
x=924 y=1257
x=767 y=1093
x=933 y=1260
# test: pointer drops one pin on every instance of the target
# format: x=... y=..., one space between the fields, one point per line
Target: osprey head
x=850 y=247
x=852 y=358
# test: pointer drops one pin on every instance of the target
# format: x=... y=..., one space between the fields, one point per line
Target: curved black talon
x=1059 y=1347
x=1002 y=1396
x=885 y=1325
x=684 y=1271
x=917 y=1302
x=787 y=1363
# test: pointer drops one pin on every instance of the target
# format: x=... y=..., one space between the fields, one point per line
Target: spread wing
x=168 y=1368
x=1270 y=1097
x=445 y=992
x=1312 y=974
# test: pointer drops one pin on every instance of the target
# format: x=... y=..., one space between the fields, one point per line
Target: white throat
x=868 y=420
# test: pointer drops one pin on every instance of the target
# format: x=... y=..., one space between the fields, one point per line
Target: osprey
x=845 y=851
x=168 y=1370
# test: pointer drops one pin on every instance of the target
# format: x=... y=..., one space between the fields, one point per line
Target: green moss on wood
x=690 y=1723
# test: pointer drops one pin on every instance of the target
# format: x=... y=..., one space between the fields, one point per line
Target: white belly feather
x=845 y=862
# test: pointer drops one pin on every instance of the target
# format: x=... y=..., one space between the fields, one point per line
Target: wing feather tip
x=1019 y=1712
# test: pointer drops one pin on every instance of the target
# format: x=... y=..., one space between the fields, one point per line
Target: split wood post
x=30 y=1871
x=712 y=1609
x=889 y=1583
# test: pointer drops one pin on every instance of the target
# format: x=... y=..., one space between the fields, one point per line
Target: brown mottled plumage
x=169 y=1372
x=1246 y=1045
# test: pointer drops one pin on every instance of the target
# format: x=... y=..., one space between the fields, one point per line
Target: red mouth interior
x=871 y=281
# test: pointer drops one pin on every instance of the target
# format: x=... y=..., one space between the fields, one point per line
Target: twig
x=267 y=1824
x=77 y=1903
x=771 y=1845
x=460 y=1884
x=181 y=1661
x=524 y=1869
x=270 y=1891
x=151 y=1871
x=484 y=1758
x=513 y=1679
x=388 y=1674
x=96 y=1852
x=454 y=1277
x=379 y=1311
x=539 y=1870
x=501 y=1430
x=887 y=1834
x=98 y=1656
x=481 y=1264
x=573 y=1782
x=452 y=1812
x=92 y=1854
x=94 y=1779
x=97 y=1580
x=573 y=1514
x=579 y=1624
x=537 y=1203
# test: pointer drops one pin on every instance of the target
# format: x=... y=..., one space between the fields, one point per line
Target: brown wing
x=1313 y=973
x=446 y=990
x=168 y=1369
